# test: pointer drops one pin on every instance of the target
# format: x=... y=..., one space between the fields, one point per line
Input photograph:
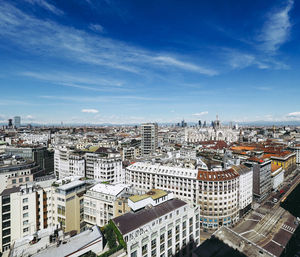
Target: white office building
x=99 y=203
x=104 y=164
x=68 y=162
x=165 y=229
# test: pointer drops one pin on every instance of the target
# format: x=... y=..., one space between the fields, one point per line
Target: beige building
x=68 y=206
x=103 y=202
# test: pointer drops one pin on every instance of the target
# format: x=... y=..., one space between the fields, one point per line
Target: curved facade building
x=218 y=198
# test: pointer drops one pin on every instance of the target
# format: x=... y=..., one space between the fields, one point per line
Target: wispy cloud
x=107 y=99
x=47 y=6
x=200 y=113
x=96 y=28
x=89 y=110
x=51 y=39
x=167 y=60
x=276 y=28
x=241 y=60
x=90 y=83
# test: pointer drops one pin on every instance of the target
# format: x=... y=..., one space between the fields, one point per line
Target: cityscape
x=149 y=128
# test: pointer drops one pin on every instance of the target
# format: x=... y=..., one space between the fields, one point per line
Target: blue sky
x=110 y=61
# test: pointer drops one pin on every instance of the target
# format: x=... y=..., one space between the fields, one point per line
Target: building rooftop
x=217 y=175
x=108 y=189
x=43 y=248
x=71 y=185
x=133 y=220
x=154 y=194
x=9 y=191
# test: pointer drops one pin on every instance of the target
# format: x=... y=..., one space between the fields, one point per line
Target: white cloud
x=294 y=115
x=29 y=117
x=44 y=4
x=51 y=39
x=185 y=65
x=276 y=29
x=96 y=28
x=200 y=113
x=82 y=82
x=90 y=110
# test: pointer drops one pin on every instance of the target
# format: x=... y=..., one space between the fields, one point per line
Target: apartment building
x=68 y=162
x=149 y=138
x=170 y=227
x=69 y=208
x=217 y=193
x=23 y=212
x=104 y=164
x=103 y=202
x=245 y=188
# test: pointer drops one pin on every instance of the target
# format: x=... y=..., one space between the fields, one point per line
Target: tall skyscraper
x=149 y=138
x=17 y=121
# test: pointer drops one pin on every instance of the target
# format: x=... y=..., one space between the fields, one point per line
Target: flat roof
x=154 y=194
x=109 y=189
x=70 y=185
x=133 y=220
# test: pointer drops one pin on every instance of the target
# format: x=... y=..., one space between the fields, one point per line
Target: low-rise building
x=168 y=228
x=103 y=202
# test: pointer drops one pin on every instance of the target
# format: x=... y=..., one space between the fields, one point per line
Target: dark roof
x=133 y=220
x=214 y=247
x=9 y=191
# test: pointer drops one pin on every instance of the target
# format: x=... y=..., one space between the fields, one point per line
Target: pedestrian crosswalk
x=258 y=214
x=288 y=228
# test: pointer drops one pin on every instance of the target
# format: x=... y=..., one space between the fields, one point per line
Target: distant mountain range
x=250 y=123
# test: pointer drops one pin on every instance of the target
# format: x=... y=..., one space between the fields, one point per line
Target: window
x=25 y=207
x=20 y=180
x=25 y=200
x=134 y=254
x=153 y=243
x=25 y=230
x=25 y=222
x=144 y=249
x=27 y=179
x=169 y=242
x=14 y=181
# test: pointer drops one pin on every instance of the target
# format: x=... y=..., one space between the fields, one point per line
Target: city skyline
x=121 y=63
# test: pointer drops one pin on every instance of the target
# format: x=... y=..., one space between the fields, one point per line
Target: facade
x=101 y=201
x=105 y=165
x=277 y=176
x=245 y=188
x=286 y=160
x=215 y=132
x=69 y=205
x=149 y=138
x=217 y=193
x=17 y=121
x=13 y=174
x=169 y=228
x=218 y=198
x=296 y=150
x=261 y=176
x=68 y=163
x=24 y=211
